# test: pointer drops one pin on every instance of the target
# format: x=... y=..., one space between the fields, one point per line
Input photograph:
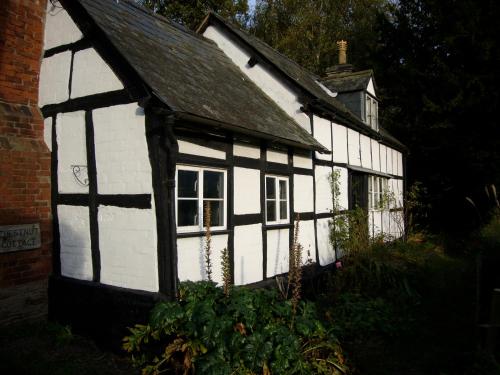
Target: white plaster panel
x=323 y=191
x=302 y=161
x=389 y=160
x=246 y=191
x=91 y=75
x=74 y=231
x=47 y=132
x=247 y=254
x=72 y=151
x=366 y=153
x=59 y=28
x=128 y=247
x=277 y=252
x=194 y=149
x=325 y=248
x=397 y=224
x=302 y=193
x=268 y=82
x=375 y=155
x=383 y=158
x=386 y=222
x=371 y=88
x=277 y=157
x=54 y=79
x=377 y=223
x=395 y=162
x=323 y=133
x=400 y=164
x=121 y=150
x=246 y=151
x=353 y=146
x=191 y=263
x=399 y=193
x=306 y=239
x=343 y=198
x=339 y=147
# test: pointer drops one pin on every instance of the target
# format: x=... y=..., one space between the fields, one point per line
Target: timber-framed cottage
x=148 y=121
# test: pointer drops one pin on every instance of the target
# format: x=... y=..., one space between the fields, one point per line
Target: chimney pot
x=342 y=46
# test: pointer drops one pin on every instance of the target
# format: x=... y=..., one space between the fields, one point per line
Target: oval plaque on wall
x=19 y=237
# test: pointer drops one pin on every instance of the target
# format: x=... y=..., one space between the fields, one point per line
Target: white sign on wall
x=19 y=237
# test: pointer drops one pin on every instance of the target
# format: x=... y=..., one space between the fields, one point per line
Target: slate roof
x=190 y=74
x=305 y=79
x=347 y=81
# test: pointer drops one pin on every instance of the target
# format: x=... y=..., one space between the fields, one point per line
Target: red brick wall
x=24 y=157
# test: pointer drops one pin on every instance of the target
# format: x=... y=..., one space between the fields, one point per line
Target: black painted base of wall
x=98 y=311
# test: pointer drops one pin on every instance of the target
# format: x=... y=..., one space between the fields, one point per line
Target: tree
x=438 y=67
x=307 y=31
x=191 y=13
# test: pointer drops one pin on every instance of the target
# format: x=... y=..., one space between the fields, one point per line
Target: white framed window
x=196 y=188
x=371 y=112
x=377 y=188
x=277 y=200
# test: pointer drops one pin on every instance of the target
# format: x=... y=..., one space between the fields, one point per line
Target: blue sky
x=251 y=5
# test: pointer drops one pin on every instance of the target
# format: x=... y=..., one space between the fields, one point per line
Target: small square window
x=198 y=188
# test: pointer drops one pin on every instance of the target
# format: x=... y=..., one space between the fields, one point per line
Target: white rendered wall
x=128 y=247
x=389 y=160
x=76 y=253
x=277 y=157
x=72 y=151
x=343 y=199
x=371 y=88
x=247 y=191
x=306 y=239
x=47 y=132
x=302 y=193
x=277 y=252
x=339 y=143
x=377 y=223
x=191 y=258
x=300 y=161
x=386 y=222
x=366 y=154
x=323 y=190
x=375 y=155
x=54 y=79
x=246 y=151
x=325 y=249
x=383 y=158
x=194 y=149
x=323 y=133
x=353 y=145
x=400 y=164
x=247 y=254
x=262 y=77
x=59 y=28
x=91 y=75
x=121 y=150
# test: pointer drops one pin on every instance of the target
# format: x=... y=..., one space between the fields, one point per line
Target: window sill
x=278 y=226
x=201 y=233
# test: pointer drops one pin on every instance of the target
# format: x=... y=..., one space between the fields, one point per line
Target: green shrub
x=247 y=332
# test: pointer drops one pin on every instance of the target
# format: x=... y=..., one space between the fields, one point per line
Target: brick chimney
x=24 y=161
x=342 y=47
x=343 y=66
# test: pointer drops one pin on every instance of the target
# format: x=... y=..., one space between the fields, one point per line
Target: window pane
x=216 y=213
x=282 y=189
x=283 y=210
x=187 y=212
x=271 y=211
x=187 y=184
x=213 y=184
x=270 y=188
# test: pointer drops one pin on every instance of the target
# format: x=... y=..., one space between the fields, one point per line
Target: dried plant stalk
x=226 y=271
x=295 y=274
x=208 y=241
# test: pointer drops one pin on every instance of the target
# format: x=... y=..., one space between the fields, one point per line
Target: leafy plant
x=248 y=332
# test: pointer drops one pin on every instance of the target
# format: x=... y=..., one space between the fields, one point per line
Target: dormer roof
x=347 y=81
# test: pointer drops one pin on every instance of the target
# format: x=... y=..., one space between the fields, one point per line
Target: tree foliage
x=191 y=13
x=307 y=31
x=437 y=64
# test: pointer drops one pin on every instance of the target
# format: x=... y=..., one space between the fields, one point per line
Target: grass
x=43 y=348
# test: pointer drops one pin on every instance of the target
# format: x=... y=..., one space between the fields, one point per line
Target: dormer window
x=371 y=112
